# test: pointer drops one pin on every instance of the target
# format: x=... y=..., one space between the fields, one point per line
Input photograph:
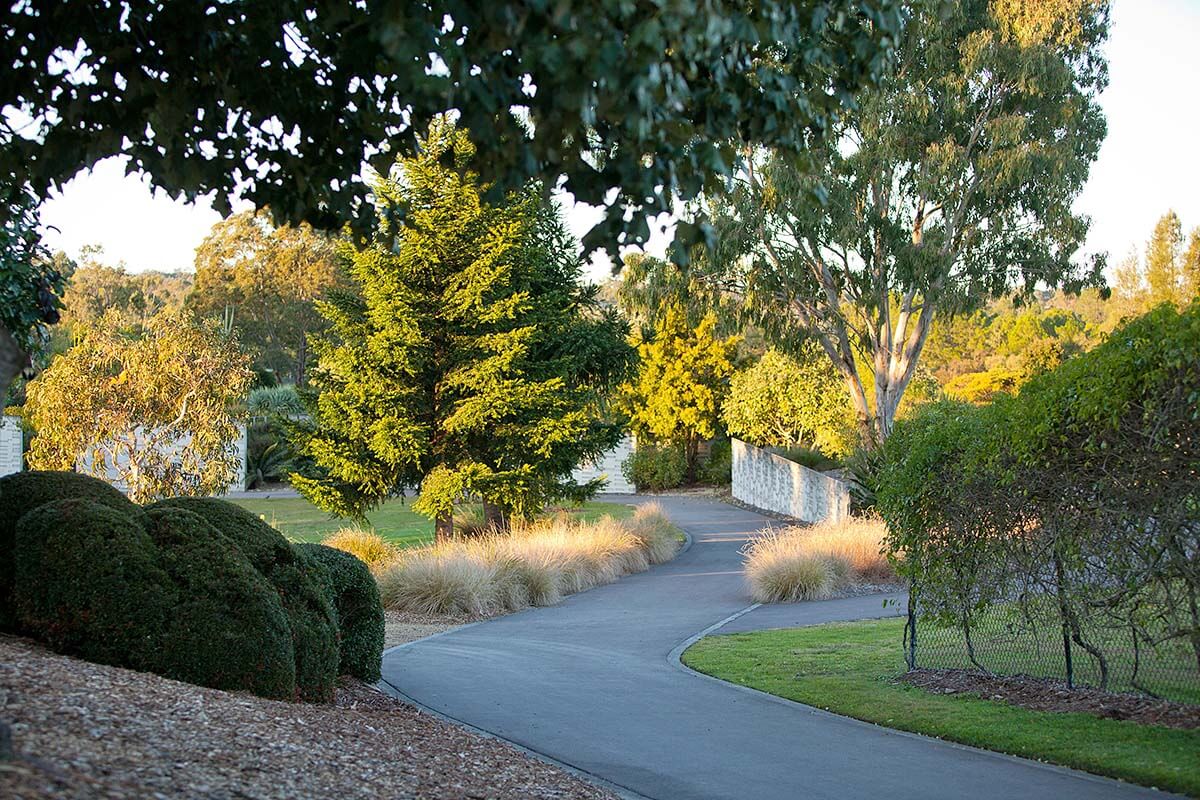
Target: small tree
x=683 y=379
x=783 y=402
x=469 y=360
x=158 y=406
x=1164 y=254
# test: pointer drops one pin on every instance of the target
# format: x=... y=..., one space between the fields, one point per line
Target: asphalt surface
x=594 y=683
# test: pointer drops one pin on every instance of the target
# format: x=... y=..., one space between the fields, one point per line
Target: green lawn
x=848 y=668
x=395 y=520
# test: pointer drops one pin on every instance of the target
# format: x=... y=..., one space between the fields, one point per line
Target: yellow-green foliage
x=368 y=546
x=126 y=400
x=782 y=401
x=809 y=563
x=533 y=565
x=683 y=380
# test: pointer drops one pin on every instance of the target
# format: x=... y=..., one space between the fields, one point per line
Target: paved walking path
x=593 y=683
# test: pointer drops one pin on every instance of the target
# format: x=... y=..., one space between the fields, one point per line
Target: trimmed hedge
x=24 y=491
x=312 y=617
x=89 y=583
x=359 y=610
x=229 y=629
x=194 y=589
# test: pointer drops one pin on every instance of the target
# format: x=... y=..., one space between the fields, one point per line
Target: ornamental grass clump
x=812 y=563
x=439 y=580
x=368 y=546
x=534 y=564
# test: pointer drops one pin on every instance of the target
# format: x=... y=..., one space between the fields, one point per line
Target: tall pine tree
x=469 y=360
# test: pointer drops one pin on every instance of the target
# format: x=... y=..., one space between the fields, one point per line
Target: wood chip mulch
x=82 y=730
x=1043 y=694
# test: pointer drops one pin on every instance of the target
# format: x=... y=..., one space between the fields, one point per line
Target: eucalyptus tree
x=630 y=103
x=950 y=184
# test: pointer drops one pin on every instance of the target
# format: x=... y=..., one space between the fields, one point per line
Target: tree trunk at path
x=443 y=528
x=691 y=451
x=495 y=517
x=12 y=361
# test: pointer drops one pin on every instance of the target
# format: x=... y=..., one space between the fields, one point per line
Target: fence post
x=910 y=655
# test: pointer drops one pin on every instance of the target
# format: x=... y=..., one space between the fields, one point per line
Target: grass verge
x=848 y=668
x=395 y=520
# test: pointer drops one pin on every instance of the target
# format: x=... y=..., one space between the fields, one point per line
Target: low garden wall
x=10 y=445
x=773 y=483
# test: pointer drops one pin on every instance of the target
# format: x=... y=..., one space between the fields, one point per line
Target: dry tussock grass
x=813 y=563
x=533 y=565
x=368 y=546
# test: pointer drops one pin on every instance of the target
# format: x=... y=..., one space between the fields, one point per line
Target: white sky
x=1149 y=163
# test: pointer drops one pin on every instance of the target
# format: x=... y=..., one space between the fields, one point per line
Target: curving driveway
x=595 y=684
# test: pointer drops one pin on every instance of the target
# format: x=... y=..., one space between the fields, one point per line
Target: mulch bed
x=1044 y=694
x=82 y=730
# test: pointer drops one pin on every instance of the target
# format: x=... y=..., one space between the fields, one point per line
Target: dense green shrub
x=89 y=583
x=655 y=467
x=311 y=615
x=718 y=468
x=1081 y=496
x=359 y=611
x=24 y=491
x=229 y=629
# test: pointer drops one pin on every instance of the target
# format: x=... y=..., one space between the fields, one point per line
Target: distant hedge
x=359 y=612
x=194 y=589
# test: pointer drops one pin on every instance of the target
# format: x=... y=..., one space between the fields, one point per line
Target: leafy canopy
x=953 y=182
x=263 y=279
x=781 y=401
x=283 y=102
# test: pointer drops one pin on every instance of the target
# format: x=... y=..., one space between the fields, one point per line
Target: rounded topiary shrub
x=23 y=491
x=311 y=615
x=88 y=582
x=229 y=629
x=360 y=613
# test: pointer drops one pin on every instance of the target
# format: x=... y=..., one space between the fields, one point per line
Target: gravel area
x=1043 y=694
x=401 y=627
x=82 y=730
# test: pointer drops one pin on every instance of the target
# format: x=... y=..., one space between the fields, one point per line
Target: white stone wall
x=10 y=445
x=609 y=467
x=767 y=481
x=239 y=445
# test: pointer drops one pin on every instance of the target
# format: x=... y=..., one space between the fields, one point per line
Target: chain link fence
x=1144 y=653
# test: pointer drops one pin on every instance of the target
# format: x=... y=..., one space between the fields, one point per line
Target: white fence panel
x=10 y=445
x=178 y=445
x=767 y=481
x=608 y=466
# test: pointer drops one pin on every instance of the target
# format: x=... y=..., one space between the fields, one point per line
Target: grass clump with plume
x=817 y=562
x=535 y=564
x=368 y=546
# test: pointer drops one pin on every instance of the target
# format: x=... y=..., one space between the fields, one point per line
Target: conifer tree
x=1191 y=266
x=468 y=360
x=1162 y=260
